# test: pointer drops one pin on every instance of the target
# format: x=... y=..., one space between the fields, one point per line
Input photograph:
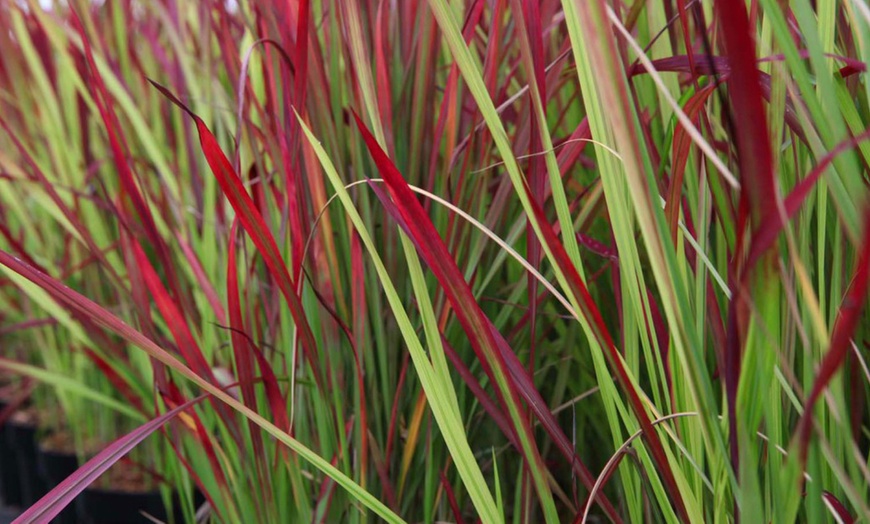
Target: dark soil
x=27 y=416
x=59 y=442
x=125 y=477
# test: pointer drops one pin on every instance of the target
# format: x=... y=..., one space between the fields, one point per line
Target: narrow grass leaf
x=50 y=505
x=109 y=321
x=253 y=222
x=848 y=320
x=472 y=319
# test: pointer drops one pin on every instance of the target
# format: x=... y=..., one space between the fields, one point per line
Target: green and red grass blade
x=437 y=389
x=107 y=320
x=50 y=505
x=765 y=236
x=130 y=188
x=758 y=184
x=848 y=320
x=472 y=319
x=255 y=225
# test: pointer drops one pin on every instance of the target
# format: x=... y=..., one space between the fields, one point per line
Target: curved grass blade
x=60 y=497
x=439 y=398
x=764 y=237
x=847 y=322
x=253 y=222
x=69 y=385
x=472 y=319
x=107 y=320
x=838 y=509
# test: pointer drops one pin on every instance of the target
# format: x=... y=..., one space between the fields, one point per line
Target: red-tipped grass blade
x=255 y=226
x=766 y=235
x=243 y=348
x=847 y=321
x=130 y=191
x=681 y=144
x=494 y=354
x=748 y=128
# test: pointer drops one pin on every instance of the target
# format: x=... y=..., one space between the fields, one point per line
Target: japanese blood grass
x=71 y=359
x=683 y=184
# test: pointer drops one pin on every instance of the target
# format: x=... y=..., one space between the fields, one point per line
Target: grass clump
x=442 y=261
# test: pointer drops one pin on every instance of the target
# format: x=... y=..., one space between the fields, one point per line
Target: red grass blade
x=202 y=279
x=241 y=349
x=708 y=65
x=681 y=145
x=382 y=69
x=58 y=498
x=490 y=407
x=451 y=499
x=844 y=328
x=532 y=45
x=766 y=235
x=457 y=290
x=574 y=146
x=253 y=222
x=175 y=321
x=752 y=140
x=129 y=187
x=492 y=350
x=838 y=507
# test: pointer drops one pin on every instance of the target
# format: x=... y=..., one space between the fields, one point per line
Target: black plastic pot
x=98 y=506
x=22 y=439
x=10 y=479
x=55 y=467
